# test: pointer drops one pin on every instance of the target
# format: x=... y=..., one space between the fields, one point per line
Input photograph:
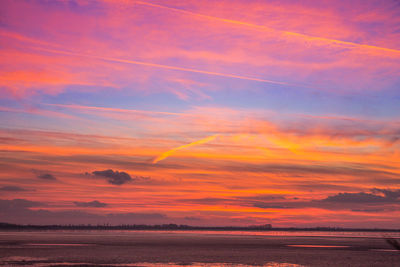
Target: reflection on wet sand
x=174 y=248
x=317 y=246
x=44 y=262
x=52 y=244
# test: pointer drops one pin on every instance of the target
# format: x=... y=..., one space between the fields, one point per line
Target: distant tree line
x=107 y=226
x=266 y=227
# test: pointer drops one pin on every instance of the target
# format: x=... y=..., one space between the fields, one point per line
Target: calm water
x=366 y=234
x=197 y=248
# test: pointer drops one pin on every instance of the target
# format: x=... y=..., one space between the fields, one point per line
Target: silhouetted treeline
x=267 y=227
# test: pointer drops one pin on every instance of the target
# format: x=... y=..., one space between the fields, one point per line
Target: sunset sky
x=200 y=112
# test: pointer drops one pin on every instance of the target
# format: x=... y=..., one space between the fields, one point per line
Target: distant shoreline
x=172 y=227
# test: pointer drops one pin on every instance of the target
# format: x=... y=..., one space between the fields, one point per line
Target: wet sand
x=185 y=248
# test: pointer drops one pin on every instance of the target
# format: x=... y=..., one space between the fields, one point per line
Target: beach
x=194 y=248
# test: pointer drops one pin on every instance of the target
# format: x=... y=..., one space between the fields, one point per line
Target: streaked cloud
x=18 y=210
x=90 y=204
x=12 y=188
x=46 y=176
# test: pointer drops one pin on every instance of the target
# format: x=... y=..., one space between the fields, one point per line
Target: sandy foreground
x=164 y=248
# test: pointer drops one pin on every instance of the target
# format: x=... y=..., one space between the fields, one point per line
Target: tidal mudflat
x=194 y=248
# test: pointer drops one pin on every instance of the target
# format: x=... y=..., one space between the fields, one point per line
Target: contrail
x=172 y=151
x=119 y=110
x=127 y=61
x=265 y=28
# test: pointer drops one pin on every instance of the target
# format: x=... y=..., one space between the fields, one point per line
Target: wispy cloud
x=149 y=64
x=290 y=34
